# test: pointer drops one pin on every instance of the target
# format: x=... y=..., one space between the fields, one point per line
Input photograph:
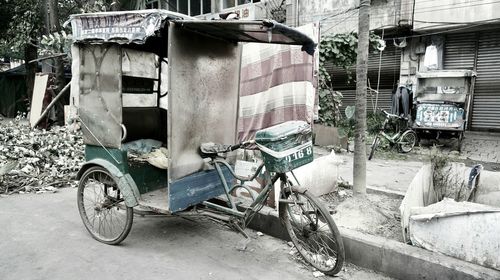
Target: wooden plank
x=37 y=98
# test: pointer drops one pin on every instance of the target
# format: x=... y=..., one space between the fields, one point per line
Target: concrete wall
x=412 y=60
x=430 y=15
x=341 y=16
x=410 y=63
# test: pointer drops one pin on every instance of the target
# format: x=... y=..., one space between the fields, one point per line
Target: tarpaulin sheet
x=277 y=84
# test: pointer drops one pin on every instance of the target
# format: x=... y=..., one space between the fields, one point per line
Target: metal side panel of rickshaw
x=100 y=104
x=203 y=102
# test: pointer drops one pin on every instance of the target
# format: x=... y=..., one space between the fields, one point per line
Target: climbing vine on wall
x=341 y=51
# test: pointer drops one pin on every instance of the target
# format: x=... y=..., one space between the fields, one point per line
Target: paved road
x=42 y=237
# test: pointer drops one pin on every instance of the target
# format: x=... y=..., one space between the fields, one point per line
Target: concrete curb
x=383 y=191
x=393 y=258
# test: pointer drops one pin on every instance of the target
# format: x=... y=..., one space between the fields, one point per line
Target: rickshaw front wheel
x=102 y=207
x=312 y=230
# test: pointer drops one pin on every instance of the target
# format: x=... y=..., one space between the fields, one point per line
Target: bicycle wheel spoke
x=311 y=229
x=101 y=207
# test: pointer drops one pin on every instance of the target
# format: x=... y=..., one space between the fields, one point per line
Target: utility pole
x=359 y=166
x=55 y=26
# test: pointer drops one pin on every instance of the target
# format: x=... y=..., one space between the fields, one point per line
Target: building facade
x=466 y=33
x=210 y=9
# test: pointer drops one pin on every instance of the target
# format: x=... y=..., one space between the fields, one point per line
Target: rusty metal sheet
x=121 y=27
x=202 y=98
x=100 y=107
x=139 y=64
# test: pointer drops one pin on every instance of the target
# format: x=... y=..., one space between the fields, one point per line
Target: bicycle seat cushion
x=212 y=149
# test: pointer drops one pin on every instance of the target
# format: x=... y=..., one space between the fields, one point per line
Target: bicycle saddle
x=212 y=149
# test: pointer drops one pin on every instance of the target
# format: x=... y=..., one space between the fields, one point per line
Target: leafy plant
x=332 y=101
x=55 y=42
x=340 y=50
x=346 y=125
x=374 y=122
x=22 y=24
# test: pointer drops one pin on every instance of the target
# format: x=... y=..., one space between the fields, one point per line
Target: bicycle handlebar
x=239 y=145
x=393 y=116
x=235 y=147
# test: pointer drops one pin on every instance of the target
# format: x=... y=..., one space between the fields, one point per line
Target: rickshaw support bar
x=224 y=209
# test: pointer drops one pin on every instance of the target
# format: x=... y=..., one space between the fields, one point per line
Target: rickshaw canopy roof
x=136 y=26
x=256 y=31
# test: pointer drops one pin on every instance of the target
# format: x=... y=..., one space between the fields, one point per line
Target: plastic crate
x=285 y=146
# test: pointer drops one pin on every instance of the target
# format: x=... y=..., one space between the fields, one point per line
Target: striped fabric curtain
x=277 y=84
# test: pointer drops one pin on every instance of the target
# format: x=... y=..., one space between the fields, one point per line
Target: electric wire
x=432 y=8
x=471 y=24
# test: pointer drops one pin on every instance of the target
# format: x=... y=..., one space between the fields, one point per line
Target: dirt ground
x=375 y=214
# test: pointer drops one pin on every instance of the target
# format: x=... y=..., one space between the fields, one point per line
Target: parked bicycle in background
x=404 y=137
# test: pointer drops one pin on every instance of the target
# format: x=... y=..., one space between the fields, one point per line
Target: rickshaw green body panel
x=125 y=182
x=133 y=179
x=197 y=187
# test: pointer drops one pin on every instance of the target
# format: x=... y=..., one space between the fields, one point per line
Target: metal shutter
x=389 y=75
x=486 y=106
x=459 y=51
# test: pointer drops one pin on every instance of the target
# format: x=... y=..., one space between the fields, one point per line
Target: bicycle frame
x=397 y=138
x=257 y=201
x=394 y=138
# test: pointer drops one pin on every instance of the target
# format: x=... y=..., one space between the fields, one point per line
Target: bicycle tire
x=374 y=147
x=102 y=178
x=311 y=235
x=409 y=137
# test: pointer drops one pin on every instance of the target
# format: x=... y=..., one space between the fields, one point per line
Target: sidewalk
x=481 y=146
x=382 y=173
x=396 y=171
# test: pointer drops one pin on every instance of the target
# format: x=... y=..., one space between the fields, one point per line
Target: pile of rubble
x=34 y=160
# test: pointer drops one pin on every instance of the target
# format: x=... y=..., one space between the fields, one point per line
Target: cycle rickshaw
x=156 y=91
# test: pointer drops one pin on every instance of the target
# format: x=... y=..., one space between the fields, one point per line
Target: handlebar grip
x=235 y=147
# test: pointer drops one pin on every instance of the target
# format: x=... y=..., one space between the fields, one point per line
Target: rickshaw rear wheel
x=102 y=207
x=312 y=230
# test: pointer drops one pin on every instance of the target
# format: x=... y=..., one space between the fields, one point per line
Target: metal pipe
x=223 y=209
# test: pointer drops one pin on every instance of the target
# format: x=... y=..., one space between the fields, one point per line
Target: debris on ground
x=38 y=161
x=317 y=274
x=375 y=214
